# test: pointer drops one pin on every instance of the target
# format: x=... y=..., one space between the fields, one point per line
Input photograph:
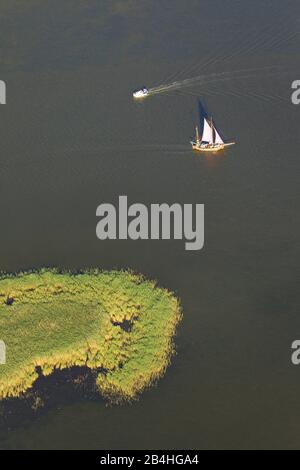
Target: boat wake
x=207 y=79
x=268 y=41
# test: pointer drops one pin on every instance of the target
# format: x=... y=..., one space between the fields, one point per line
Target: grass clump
x=115 y=322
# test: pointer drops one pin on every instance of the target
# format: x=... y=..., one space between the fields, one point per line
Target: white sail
x=218 y=138
x=207 y=135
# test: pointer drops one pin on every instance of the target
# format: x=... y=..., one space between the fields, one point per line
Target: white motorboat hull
x=140 y=93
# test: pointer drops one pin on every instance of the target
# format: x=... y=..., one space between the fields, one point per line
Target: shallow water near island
x=73 y=138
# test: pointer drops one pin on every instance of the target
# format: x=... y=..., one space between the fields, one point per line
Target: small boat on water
x=211 y=141
x=141 y=93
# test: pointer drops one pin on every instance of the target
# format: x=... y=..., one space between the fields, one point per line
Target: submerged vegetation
x=115 y=323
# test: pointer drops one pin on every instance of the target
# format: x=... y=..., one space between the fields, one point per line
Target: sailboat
x=211 y=141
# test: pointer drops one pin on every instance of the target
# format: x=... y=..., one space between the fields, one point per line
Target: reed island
x=116 y=323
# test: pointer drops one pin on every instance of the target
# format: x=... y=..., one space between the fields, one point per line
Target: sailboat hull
x=211 y=148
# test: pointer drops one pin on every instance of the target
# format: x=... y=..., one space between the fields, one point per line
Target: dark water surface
x=72 y=138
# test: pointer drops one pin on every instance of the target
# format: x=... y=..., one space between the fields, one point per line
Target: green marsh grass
x=116 y=322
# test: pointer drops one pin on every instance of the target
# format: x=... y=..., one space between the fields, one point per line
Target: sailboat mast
x=197 y=135
x=212 y=130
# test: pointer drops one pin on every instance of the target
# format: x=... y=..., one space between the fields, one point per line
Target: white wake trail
x=214 y=77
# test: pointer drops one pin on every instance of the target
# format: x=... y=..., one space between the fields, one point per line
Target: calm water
x=72 y=137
